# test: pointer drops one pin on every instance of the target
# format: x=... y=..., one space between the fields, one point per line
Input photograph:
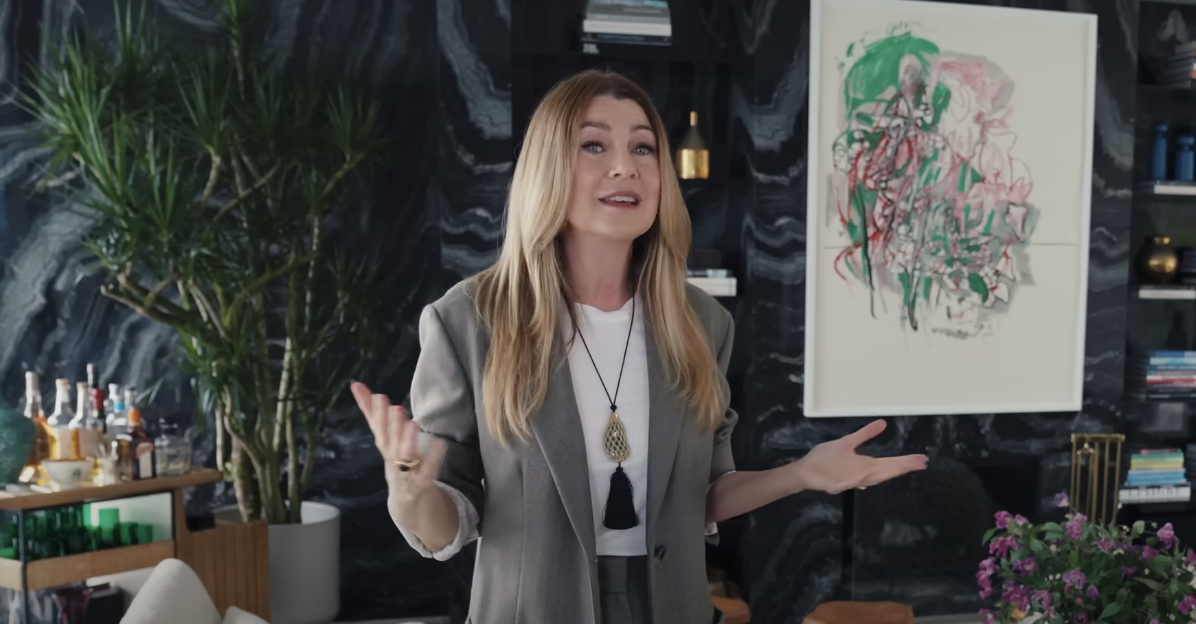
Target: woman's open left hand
x=835 y=466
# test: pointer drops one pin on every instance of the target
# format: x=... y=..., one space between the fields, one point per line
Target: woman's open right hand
x=397 y=437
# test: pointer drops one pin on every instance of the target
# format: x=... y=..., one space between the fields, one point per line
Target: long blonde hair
x=522 y=297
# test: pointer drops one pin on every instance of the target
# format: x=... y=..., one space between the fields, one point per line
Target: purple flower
x=988 y=567
x=1002 y=545
x=1093 y=593
x=1186 y=605
x=1041 y=599
x=1020 y=520
x=1025 y=566
x=1105 y=544
x=1149 y=553
x=1080 y=618
x=1003 y=518
x=1075 y=579
x=1016 y=596
x=1167 y=535
x=989 y=616
x=1076 y=525
x=1127 y=572
x=1061 y=500
x=1190 y=559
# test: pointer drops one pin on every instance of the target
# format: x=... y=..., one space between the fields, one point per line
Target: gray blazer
x=536 y=558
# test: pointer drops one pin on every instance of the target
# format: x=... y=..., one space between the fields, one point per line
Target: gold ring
x=407 y=464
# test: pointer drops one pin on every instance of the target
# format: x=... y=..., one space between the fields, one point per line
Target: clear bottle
x=117 y=421
x=172 y=450
x=60 y=422
x=36 y=412
x=85 y=429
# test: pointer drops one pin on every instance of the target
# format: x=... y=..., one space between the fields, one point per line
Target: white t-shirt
x=605 y=334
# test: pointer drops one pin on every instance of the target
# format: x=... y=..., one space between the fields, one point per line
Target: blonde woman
x=570 y=402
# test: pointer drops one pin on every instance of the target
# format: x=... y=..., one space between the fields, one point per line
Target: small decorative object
x=1157 y=261
x=1096 y=474
x=1085 y=571
x=1158 y=153
x=72 y=604
x=693 y=159
x=67 y=474
x=1183 y=158
x=17 y=437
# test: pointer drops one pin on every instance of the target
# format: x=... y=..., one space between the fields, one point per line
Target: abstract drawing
x=947 y=208
x=927 y=187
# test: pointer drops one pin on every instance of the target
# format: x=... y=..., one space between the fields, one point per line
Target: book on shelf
x=1155 y=494
x=634 y=22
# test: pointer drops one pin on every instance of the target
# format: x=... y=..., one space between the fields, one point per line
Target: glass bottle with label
x=86 y=430
x=118 y=420
x=43 y=433
x=60 y=421
x=140 y=460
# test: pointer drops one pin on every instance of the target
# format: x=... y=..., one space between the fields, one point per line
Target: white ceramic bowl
x=67 y=474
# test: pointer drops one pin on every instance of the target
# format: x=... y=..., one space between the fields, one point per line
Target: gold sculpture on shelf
x=1095 y=477
x=693 y=159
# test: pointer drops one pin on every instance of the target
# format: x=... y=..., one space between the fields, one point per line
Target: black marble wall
x=449 y=69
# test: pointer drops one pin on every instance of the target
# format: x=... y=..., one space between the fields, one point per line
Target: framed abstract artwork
x=948 y=203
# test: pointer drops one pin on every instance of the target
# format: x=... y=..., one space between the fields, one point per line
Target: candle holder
x=1096 y=475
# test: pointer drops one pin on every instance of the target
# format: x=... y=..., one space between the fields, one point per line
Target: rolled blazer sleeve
x=442 y=403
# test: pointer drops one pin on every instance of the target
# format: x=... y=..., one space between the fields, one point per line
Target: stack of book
x=1156 y=476
x=1160 y=375
x=1180 y=69
x=704 y=270
x=636 y=22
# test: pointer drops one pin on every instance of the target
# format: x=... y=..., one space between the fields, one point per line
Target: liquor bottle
x=42 y=431
x=117 y=421
x=140 y=454
x=60 y=421
x=110 y=401
x=86 y=431
x=97 y=410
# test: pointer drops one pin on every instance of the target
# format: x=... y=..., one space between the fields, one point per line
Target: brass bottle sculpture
x=693 y=159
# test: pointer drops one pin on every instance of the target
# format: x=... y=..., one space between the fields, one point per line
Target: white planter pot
x=304 y=566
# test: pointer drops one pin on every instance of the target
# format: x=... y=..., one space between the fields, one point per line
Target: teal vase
x=16 y=442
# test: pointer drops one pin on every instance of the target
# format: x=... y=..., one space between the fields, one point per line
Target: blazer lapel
x=558 y=430
x=665 y=414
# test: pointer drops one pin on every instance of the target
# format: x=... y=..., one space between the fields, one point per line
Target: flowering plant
x=1085 y=572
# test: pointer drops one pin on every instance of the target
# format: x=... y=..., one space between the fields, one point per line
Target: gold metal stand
x=1095 y=476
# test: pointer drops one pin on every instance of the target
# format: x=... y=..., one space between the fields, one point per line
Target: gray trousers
x=623 y=588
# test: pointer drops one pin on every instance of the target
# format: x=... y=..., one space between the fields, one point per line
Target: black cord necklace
x=619 y=513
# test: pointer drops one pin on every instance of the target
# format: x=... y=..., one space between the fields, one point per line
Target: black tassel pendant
x=619 y=514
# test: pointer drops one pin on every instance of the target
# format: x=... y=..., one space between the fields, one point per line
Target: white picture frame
x=1032 y=368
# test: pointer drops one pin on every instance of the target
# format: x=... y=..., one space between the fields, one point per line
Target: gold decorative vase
x=693 y=159
x=1157 y=262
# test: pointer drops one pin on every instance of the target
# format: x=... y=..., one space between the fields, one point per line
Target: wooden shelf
x=1168 y=188
x=1178 y=292
x=47 y=573
x=88 y=493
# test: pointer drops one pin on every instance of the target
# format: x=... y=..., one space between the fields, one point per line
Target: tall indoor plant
x=212 y=177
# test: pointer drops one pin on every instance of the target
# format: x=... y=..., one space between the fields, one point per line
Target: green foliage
x=212 y=177
x=1087 y=572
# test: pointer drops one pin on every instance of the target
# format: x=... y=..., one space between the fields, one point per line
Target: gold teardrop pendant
x=618 y=449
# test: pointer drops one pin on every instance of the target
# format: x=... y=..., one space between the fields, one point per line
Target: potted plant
x=1084 y=572
x=212 y=178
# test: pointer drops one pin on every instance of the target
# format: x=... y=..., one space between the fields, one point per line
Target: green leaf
x=1036 y=545
x=1138 y=528
x=1110 y=610
x=977 y=285
x=988 y=535
x=1149 y=583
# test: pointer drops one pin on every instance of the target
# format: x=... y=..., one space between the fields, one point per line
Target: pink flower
x=1041 y=599
x=1148 y=553
x=1093 y=593
x=1127 y=572
x=1080 y=618
x=1002 y=545
x=1025 y=566
x=1076 y=525
x=1190 y=559
x=1003 y=518
x=1061 y=500
x=1017 y=596
x=1167 y=535
x=989 y=616
x=1075 y=579
x=1186 y=605
x=1020 y=520
x=1105 y=544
